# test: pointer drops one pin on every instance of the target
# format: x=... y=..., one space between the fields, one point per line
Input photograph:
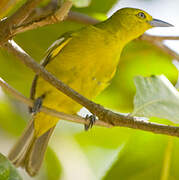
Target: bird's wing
x=56 y=47
x=51 y=52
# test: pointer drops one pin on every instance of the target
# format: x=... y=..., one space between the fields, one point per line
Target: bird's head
x=135 y=21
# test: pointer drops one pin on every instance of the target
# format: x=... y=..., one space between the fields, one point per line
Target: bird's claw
x=37 y=105
x=92 y=119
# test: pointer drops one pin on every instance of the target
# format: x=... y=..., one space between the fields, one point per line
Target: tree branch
x=12 y=25
x=58 y=16
x=7 y=25
x=158 y=38
x=6 y=6
x=158 y=42
x=103 y=114
x=81 y=18
x=157 y=128
x=23 y=12
x=41 y=12
x=60 y=115
x=49 y=14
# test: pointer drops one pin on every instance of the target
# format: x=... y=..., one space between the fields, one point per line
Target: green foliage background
x=109 y=154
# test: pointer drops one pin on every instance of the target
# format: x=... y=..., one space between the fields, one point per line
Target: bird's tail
x=29 y=151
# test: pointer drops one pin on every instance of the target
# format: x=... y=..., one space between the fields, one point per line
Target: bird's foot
x=37 y=105
x=91 y=119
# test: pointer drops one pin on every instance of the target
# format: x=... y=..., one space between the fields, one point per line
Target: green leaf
x=102 y=147
x=142 y=158
x=89 y=154
x=11 y=121
x=15 y=73
x=81 y=3
x=96 y=6
x=156 y=97
x=138 y=58
x=147 y=156
x=7 y=170
x=8 y=5
x=52 y=164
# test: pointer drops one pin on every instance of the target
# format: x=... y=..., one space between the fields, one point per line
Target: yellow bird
x=86 y=60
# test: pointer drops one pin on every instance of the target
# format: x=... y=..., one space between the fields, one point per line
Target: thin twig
x=58 y=16
x=157 y=41
x=52 y=112
x=158 y=38
x=168 y=51
x=163 y=129
x=12 y=47
x=6 y=25
x=44 y=16
x=41 y=12
x=6 y=6
x=11 y=26
x=103 y=114
x=81 y=18
x=23 y=12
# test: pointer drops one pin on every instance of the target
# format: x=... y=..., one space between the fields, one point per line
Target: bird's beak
x=159 y=23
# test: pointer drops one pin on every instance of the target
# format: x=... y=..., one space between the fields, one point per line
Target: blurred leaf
x=143 y=158
x=147 y=156
x=7 y=170
x=15 y=73
x=96 y=6
x=7 y=5
x=102 y=147
x=53 y=167
x=11 y=120
x=44 y=2
x=81 y=3
x=138 y=58
x=156 y=97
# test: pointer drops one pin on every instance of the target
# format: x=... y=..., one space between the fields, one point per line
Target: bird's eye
x=141 y=15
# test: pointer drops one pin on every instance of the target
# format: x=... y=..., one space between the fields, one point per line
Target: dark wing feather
x=51 y=53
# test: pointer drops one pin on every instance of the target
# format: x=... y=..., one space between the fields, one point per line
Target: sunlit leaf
x=11 y=121
x=156 y=97
x=53 y=167
x=7 y=170
x=81 y=3
x=15 y=73
x=102 y=147
x=96 y=7
x=142 y=158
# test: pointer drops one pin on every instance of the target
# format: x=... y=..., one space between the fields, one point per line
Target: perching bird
x=86 y=60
